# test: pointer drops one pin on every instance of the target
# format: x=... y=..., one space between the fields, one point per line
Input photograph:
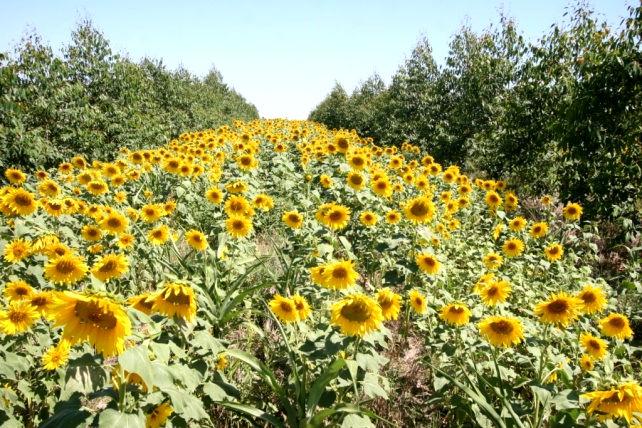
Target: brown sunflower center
x=286 y=306
x=17 y=316
x=419 y=209
x=588 y=297
x=65 y=267
x=355 y=312
x=457 y=310
x=617 y=322
x=180 y=299
x=502 y=327
x=91 y=312
x=558 y=306
x=114 y=223
x=108 y=267
x=23 y=200
x=340 y=273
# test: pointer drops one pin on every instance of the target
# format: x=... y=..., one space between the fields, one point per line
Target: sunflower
x=336 y=275
x=66 y=269
x=284 y=308
x=517 y=224
x=356 y=180
x=497 y=230
x=595 y=347
x=368 y=218
x=357 y=315
x=456 y=314
x=238 y=226
x=18 y=290
x=97 y=187
x=357 y=162
x=560 y=309
x=56 y=356
x=513 y=247
x=428 y=263
x=142 y=302
x=592 y=299
x=20 y=202
x=501 y=331
x=175 y=300
x=539 y=230
x=382 y=187
x=126 y=241
x=419 y=209
x=151 y=213
x=247 y=162
x=43 y=302
x=214 y=195
x=221 y=362
x=495 y=292
x=196 y=239
x=158 y=235
x=302 y=307
x=293 y=219
x=238 y=206
x=586 y=363
x=334 y=216
x=624 y=401
x=390 y=303
x=158 y=416
x=492 y=199
x=572 y=211
x=97 y=320
x=393 y=217
x=91 y=233
x=17 y=250
x=114 y=222
x=263 y=202
x=554 y=252
x=18 y=317
x=418 y=301
x=325 y=181
x=616 y=325
x=493 y=261
x=110 y=266
x=15 y=176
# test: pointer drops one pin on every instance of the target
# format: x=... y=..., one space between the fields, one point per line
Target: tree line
x=562 y=114
x=91 y=101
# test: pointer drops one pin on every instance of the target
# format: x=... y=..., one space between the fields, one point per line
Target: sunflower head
x=357 y=315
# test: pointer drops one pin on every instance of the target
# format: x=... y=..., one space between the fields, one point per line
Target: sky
x=282 y=56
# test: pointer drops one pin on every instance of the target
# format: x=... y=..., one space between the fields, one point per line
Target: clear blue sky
x=283 y=56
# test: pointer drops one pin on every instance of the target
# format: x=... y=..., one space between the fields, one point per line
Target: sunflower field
x=276 y=273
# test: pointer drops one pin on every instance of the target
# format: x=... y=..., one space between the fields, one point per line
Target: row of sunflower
x=270 y=271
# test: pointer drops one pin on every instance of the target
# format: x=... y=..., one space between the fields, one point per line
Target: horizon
x=283 y=61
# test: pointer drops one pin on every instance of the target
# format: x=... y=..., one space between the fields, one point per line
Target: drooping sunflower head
x=357 y=315
x=623 y=401
x=142 y=302
x=159 y=415
x=175 y=299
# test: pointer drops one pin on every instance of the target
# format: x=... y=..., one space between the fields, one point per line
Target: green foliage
x=90 y=101
x=559 y=115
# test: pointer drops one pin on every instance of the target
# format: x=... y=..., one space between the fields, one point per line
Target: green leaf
x=185 y=404
x=254 y=412
x=111 y=418
x=319 y=385
x=356 y=421
x=85 y=375
x=135 y=360
x=215 y=392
